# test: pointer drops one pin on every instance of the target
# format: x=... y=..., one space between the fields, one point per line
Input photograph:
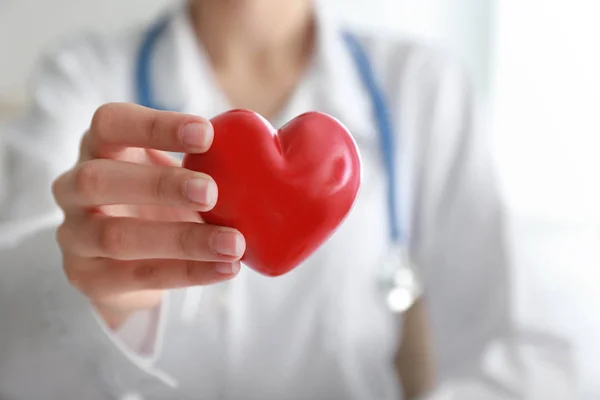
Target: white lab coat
x=320 y=332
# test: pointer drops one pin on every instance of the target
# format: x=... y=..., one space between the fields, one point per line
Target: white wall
x=547 y=106
x=28 y=26
x=547 y=124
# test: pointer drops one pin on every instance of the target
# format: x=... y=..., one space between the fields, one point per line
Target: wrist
x=116 y=311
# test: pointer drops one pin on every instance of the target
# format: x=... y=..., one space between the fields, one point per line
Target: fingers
x=108 y=256
x=134 y=239
x=106 y=182
x=102 y=278
x=117 y=126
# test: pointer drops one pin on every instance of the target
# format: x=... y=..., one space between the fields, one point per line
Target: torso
x=319 y=332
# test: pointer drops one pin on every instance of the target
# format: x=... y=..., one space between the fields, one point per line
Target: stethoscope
x=398 y=282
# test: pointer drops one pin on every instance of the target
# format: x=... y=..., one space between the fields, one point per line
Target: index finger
x=116 y=126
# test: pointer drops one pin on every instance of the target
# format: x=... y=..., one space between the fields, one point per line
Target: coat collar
x=184 y=80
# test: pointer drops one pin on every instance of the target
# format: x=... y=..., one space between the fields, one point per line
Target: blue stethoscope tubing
x=380 y=110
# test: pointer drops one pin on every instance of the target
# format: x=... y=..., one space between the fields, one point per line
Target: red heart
x=286 y=191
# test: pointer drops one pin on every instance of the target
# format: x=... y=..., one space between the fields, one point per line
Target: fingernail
x=197 y=136
x=201 y=190
x=228 y=268
x=228 y=243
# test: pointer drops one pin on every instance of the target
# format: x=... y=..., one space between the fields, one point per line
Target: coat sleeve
x=35 y=149
x=459 y=244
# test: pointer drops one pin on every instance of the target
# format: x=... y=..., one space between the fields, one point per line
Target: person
x=103 y=252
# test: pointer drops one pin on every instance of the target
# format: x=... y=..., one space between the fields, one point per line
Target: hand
x=131 y=227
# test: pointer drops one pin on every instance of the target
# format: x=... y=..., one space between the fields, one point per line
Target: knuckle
x=197 y=273
x=75 y=276
x=112 y=238
x=188 y=242
x=85 y=143
x=163 y=184
x=191 y=271
x=153 y=130
x=149 y=275
x=102 y=118
x=57 y=186
x=87 y=178
x=62 y=236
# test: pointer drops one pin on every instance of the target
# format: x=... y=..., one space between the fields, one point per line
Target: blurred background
x=536 y=64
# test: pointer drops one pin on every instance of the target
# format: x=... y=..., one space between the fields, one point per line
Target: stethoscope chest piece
x=398 y=281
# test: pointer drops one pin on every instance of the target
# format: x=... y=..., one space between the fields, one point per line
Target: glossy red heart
x=287 y=191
